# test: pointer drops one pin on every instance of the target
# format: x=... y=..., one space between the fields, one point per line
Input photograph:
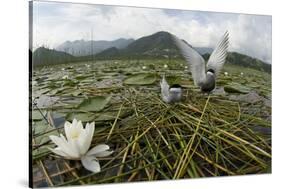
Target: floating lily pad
x=36 y=153
x=82 y=76
x=39 y=127
x=109 y=116
x=140 y=79
x=45 y=101
x=76 y=93
x=70 y=83
x=36 y=115
x=40 y=92
x=54 y=85
x=94 y=104
x=251 y=97
x=84 y=117
x=254 y=85
x=42 y=131
x=53 y=92
x=236 y=88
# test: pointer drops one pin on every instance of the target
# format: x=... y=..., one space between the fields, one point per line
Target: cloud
x=252 y=35
x=55 y=23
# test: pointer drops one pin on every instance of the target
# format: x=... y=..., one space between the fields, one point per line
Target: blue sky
x=54 y=23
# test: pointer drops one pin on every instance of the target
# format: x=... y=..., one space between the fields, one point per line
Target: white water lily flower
x=77 y=143
x=65 y=77
x=165 y=66
x=225 y=73
x=144 y=67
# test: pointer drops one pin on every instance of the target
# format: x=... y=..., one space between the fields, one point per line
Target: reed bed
x=203 y=136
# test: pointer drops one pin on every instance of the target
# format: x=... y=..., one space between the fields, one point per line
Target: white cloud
x=249 y=34
x=252 y=35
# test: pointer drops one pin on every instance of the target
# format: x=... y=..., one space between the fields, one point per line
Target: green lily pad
x=140 y=79
x=36 y=115
x=42 y=150
x=76 y=93
x=84 y=117
x=39 y=127
x=54 y=91
x=43 y=130
x=94 y=104
x=40 y=92
x=53 y=85
x=107 y=116
x=69 y=82
x=236 y=88
x=82 y=76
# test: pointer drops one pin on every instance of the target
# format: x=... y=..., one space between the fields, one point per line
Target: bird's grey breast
x=209 y=84
x=175 y=97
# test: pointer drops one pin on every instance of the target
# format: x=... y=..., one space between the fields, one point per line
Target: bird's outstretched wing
x=218 y=56
x=164 y=89
x=194 y=60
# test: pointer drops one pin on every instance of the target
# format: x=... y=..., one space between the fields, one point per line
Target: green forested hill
x=44 y=55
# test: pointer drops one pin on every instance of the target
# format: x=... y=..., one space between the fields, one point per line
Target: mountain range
x=84 y=48
x=161 y=41
x=157 y=45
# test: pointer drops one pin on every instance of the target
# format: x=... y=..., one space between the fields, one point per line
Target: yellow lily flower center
x=75 y=134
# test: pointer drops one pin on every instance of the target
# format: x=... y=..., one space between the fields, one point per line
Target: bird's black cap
x=211 y=70
x=175 y=86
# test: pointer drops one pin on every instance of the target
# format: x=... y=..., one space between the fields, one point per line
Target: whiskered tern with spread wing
x=204 y=75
